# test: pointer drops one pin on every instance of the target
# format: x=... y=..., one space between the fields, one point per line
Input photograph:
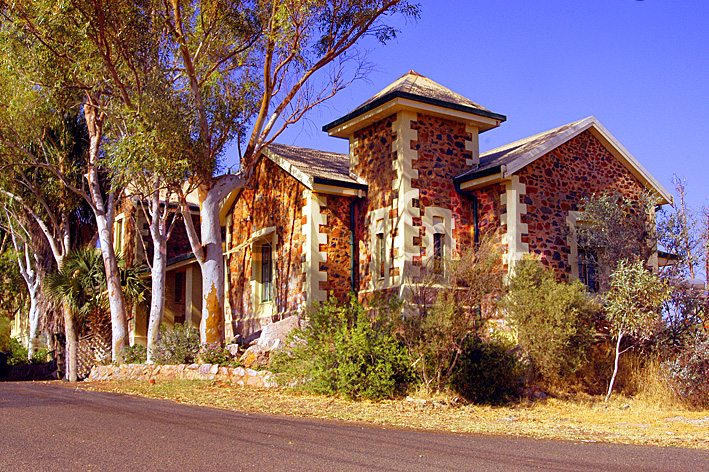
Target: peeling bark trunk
x=209 y=253
x=211 y=328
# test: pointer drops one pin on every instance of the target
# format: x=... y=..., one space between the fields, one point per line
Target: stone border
x=237 y=375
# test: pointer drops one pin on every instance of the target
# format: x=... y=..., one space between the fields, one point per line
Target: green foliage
x=17 y=353
x=215 y=353
x=446 y=308
x=633 y=302
x=136 y=354
x=81 y=283
x=4 y=333
x=486 y=372
x=179 y=345
x=615 y=227
x=346 y=350
x=633 y=305
x=553 y=319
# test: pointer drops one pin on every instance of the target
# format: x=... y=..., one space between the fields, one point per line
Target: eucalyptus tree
x=154 y=152
x=27 y=258
x=42 y=150
x=247 y=70
x=104 y=50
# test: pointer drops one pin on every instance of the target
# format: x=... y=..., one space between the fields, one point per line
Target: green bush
x=346 y=350
x=179 y=345
x=215 y=353
x=136 y=354
x=554 y=320
x=4 y=333
x=486 y=372
x=40 y=357
x=17 y=353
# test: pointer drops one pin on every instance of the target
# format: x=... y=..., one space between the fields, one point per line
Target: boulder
x=274 y=334
x=255 y=355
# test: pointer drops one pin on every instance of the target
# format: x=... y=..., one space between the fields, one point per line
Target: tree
x=615 y=227
x=243 y=62
x=80 y=286
x=678 y=233
x=553 y=319
x=13 y=298
x=447 y=307
x=632 y=305
x=28 y=262
x=106 y=51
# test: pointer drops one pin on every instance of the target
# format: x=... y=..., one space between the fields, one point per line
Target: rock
x=250 y=338
x=233 y=349
x=255 y=355
x=273 y=335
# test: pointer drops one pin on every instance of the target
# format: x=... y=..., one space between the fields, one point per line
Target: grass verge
x=578 y=418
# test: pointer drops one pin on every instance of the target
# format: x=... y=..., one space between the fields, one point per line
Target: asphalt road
x=49 y=427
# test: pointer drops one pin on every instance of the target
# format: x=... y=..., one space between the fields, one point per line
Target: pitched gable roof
x=508 y=159
x=311 y=166
x=417 y=88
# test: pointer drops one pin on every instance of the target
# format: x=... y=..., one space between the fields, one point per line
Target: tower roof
x=418 y=88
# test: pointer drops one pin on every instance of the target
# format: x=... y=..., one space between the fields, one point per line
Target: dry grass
x=638 y=420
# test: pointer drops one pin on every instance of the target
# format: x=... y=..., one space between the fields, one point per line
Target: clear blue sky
x=641 y=67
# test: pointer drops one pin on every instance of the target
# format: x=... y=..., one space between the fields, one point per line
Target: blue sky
x=641 y=67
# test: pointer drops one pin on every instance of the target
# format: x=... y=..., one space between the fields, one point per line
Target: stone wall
x=147 y=372
x=275 y=199
x=556 y=183
x=372 y=159
x=442 y=155
x=337 y=248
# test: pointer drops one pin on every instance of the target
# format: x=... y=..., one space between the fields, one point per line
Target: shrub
x=17 y=353
x=688 y=373
x=215 y=353
x=346 y=350
x=445 y=308
x=179 y=345
x=4 y=333
x=553 y=320
x=135 y=354
x=486 y=373
x=39 y=357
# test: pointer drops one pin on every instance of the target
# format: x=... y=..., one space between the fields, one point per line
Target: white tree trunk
x=615 y=368
x=209 y=253
x=157 y=299
x=103 y=211
x=211 y=328
x=71 y=345
x=34 y=318
x=116 y=302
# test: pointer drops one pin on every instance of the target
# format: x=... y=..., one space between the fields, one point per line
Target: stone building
x=414 y=189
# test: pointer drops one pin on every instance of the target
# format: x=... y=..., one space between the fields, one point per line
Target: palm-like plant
x=80 y=286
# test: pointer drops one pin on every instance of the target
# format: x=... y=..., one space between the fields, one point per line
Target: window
x=266 y=273
x=438 y=253
x=587 y=269
x=381 y=250
x=439 y=241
